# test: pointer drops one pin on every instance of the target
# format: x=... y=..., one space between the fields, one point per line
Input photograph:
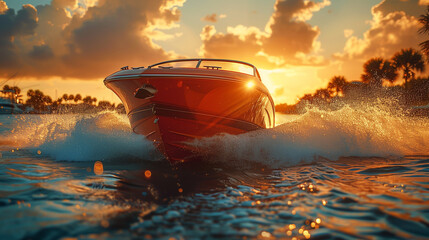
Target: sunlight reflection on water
x=129 y=196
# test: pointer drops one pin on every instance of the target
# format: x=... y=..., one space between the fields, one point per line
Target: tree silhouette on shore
x=77 y=98
x=66 y=97
x=408 y=60
x=71 y=97
x=376 y=70
x=337 y=85
x=38 y=100
x=89 y=100
x=11 y=92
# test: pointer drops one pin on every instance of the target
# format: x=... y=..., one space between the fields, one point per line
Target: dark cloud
x=107 y=36
x=26 y=21
x=42 y=52
x=20 y=24
x=12 y=28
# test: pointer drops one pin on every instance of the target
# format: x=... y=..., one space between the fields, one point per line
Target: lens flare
x=250 y=84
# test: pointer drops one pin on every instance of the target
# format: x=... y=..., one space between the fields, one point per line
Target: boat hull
x=188 y=107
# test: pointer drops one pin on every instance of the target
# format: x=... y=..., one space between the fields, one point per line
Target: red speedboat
x=175 y=102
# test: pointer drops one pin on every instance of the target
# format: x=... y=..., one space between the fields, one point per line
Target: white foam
x=99 y=136
x=351 y=131
x=362 y=131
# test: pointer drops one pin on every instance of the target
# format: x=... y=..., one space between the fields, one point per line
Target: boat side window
x=269 y=114
x=267 y=118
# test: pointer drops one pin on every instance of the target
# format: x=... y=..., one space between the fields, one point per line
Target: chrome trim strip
x=166 y=75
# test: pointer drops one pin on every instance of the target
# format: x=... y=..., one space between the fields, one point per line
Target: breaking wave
x=370 y=131
x=73 y=137
x=318 y=134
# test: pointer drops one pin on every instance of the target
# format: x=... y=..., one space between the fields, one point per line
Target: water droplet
x=265 y=234
x=98 y=168
x=306 y=234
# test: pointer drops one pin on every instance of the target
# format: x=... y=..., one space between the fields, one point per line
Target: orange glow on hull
x=191 y=104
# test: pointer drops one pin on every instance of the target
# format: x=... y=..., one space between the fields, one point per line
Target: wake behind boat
x=177 y=101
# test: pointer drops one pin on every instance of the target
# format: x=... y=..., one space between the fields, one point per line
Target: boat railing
x=200 y=60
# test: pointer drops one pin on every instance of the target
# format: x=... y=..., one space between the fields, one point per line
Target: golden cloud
x=213 y=17
x=287 y=39
x=48 y=41
x=391 y=29
x=3 y=7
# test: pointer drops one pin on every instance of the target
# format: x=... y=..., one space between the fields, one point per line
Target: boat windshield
x=228 y=66
x=213 y=64
x=177 y=64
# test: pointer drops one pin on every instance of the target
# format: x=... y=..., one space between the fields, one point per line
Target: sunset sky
x=70 y=46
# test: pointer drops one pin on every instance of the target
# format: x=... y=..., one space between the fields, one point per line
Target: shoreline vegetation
x=376 y=84
x=375 y=87
x=39 y=103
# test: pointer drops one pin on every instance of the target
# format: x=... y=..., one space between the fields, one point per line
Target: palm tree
x=12 y=92
x=65 y=97
x=376 y=70
x=77 y=98
x=87 y=100
x=71 y=97
x=408 y=60
x=337 y=84
x=424 y=20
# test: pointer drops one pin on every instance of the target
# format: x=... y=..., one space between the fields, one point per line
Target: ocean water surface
x=346 y=174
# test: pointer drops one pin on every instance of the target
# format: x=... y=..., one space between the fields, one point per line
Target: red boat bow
x=173 y=105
